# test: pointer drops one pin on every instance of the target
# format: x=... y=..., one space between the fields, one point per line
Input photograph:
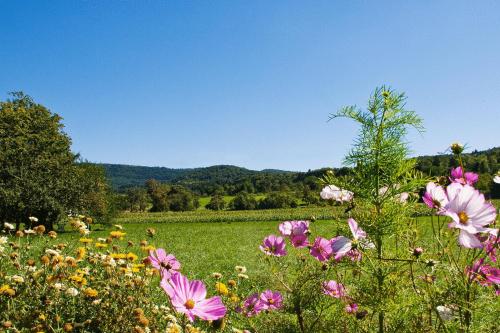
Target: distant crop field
x=301 y=213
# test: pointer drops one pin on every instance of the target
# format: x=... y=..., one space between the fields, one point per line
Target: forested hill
x=125 y=176
x=232 y=179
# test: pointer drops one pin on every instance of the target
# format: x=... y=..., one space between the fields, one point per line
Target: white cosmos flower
x=470 y=213
x=332 y=192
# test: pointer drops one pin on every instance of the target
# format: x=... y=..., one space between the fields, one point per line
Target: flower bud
x=456 y=148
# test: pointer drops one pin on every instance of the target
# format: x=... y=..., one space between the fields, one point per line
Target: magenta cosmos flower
x=250 y=305
x=334 y=289
x=458 y=176
x=297 y=231
x=342 y=246
x=351 y=308
x=485 y=275
x=321 y=249
x=166 y=264
x=190 y=299
x=273 y=246
x=269 y=300
x=470 y=213
x=435 y=197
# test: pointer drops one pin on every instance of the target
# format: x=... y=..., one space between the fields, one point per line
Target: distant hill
x=232 y=179
x=124 y=176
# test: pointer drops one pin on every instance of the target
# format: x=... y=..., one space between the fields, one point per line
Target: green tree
x=158 y=194
x=138 y=199
x=243 y=201
x=39 y=175
x=216 y=202
x=181 y=199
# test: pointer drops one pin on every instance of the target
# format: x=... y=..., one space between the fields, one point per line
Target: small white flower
x=216 y=275
x=29 y=231
x=496 y=179
x=33 y=219
x=101 y=240
x=9 y=226
x=97 y=301
x=118 y=226
x=243 y=276
x=52 y=252
x=72 y=291
x=15 y=278
x=444 y=312
x=59 y=286
x=241 y=269
x=3 y=240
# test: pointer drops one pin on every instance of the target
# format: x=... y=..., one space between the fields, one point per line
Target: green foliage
x=216 y=202
x=39 y=175
x=137 y=199
x=243 y=201
x=381 y=174
x=278 y=200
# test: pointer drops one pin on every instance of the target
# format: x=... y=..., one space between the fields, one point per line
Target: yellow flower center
x=463 y=218
x=189 y=304
x=270 y=301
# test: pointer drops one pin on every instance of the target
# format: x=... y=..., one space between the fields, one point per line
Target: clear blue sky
x=250 y=83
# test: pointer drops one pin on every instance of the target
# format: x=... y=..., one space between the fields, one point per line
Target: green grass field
x=204 y=248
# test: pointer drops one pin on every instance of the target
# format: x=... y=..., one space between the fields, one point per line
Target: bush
x=216 y=203
x=278 y=200
x=243 y=201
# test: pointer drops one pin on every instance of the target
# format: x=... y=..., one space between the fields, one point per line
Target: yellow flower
x=132 y=256
x=7 y=290
x=117 y=234
x=80 y=253
x=118 y=256
x=221 y=288
x=78 y=279
x=86 y=240
x=148 y=248
x=91 y=292
x=42 y=317
x=101 y=245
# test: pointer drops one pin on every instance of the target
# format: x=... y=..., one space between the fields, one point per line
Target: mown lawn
x=204 y=248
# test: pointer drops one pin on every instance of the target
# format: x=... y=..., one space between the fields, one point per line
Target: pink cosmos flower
x=457 y=176
x=332 y=192
x=490 y=247
x=334 y=289
x=470 y=213
x=435 y=196
x=166 y=264
x=342 y=246
x=485 y=275
x=273 y=246
x=269 y=300
x=351 y=308
x=321 y=249
x=190 y=299
x=250 y=305
x=297 y=231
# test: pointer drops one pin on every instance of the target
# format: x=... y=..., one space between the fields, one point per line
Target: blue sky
x=250 y=83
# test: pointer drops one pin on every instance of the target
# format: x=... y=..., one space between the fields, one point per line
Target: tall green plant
x=382 y=176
